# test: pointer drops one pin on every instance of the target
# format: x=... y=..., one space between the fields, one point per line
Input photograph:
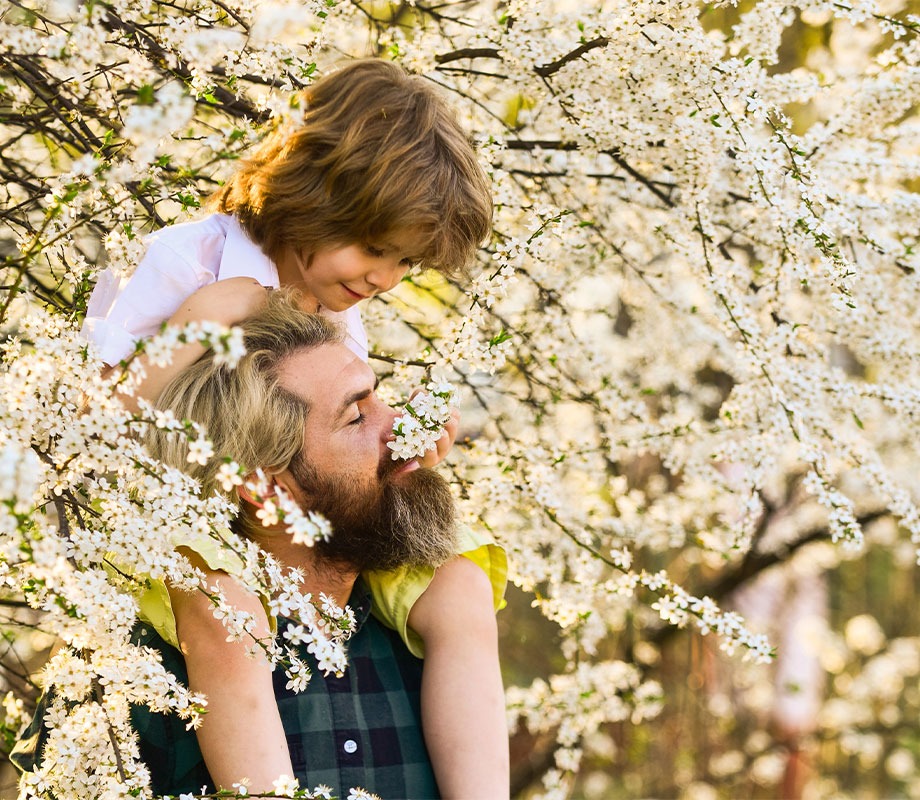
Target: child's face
x=342 y=277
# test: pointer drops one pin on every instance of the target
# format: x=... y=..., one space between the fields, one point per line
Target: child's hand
x=227 y=302
x=439 y=452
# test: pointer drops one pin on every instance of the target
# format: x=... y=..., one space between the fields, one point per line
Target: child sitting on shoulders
x=379 y=177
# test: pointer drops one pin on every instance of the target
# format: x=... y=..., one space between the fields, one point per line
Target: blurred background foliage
x=720 y=734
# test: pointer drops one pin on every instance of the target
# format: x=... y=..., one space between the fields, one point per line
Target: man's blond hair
x=246 y=412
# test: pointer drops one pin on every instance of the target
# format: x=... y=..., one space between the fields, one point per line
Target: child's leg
x=241 y=736
x=463 y=703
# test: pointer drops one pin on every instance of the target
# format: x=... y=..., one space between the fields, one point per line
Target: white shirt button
x=350 y=746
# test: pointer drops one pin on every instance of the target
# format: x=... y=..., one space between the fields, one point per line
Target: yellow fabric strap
x=154 y=605
x=396 y=591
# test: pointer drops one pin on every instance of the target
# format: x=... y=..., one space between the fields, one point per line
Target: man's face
x=384 y=513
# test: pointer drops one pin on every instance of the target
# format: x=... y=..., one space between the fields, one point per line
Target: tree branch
x=554 y=66
x=468 y=52
x=544 y=71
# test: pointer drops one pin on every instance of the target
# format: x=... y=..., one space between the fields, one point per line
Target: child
x=377 y=178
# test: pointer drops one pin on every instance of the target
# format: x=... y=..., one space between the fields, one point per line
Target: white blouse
x=180 y=260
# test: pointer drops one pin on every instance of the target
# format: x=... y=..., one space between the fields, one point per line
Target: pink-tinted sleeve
x=355 y=335
x=122 y=310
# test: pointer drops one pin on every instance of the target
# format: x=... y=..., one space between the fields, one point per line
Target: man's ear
x=285 y=481
x=247 y=492
x=259 y=487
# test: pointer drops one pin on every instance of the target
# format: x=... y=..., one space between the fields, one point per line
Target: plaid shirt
x=363 y=729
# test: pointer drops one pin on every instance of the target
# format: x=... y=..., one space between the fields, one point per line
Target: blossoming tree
x=690 y=354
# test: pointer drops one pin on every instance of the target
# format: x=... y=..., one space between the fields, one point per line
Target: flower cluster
x=276 y=506
x=577 y=702
x=418 y=429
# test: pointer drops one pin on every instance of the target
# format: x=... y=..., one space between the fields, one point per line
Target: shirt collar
x=360 y=602
x=243 y=258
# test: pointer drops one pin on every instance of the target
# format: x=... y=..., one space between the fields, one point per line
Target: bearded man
x=301 y=406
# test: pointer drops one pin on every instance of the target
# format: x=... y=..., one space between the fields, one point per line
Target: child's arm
x=463 y=703
x=227 y=302
x=241 y=735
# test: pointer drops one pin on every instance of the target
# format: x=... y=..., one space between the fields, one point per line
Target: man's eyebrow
x=357 y=397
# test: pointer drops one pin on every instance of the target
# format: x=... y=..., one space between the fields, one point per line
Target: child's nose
x=383 y=278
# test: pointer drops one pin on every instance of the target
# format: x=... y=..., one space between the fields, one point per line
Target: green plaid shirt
x=363 y=729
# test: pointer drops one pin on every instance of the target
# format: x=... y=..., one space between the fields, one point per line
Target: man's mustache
x=388 y=465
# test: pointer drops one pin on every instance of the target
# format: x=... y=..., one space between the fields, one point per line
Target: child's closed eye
x=374 y=252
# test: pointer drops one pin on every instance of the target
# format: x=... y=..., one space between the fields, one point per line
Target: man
x=300 y=403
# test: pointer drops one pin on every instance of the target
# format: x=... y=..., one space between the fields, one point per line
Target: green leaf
x=501 y=336
x=188 y=201
x=145 y=95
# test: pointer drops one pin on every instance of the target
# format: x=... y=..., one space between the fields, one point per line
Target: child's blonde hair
x=378 y=154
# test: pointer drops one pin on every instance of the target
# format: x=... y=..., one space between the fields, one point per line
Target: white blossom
x=689 y=345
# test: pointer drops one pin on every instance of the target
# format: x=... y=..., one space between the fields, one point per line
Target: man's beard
x=385 y=523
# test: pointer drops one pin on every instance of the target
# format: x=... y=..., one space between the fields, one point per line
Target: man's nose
x=388 y=417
